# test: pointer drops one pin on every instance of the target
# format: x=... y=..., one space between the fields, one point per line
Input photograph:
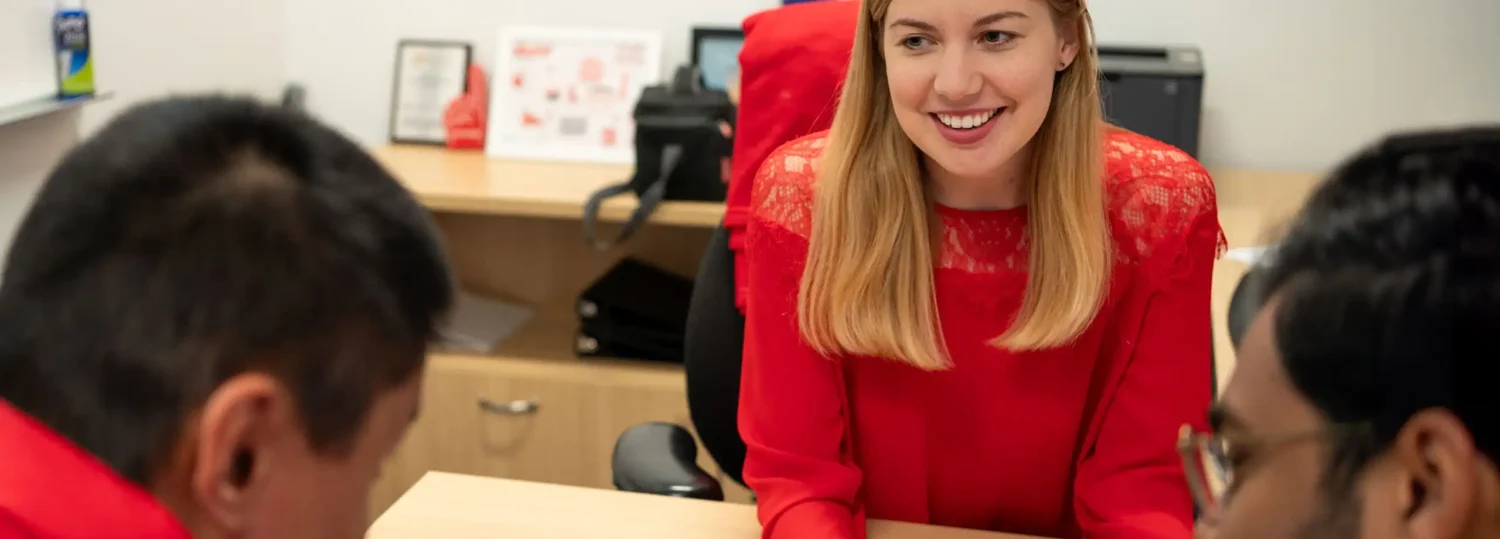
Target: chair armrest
x=662 y=458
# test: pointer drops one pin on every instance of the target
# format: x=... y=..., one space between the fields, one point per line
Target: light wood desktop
x=469 y=507
x=513 y=233
x=470 y=183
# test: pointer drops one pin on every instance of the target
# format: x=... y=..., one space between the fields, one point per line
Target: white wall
x=344 y=51
x=1292 y=84
x=27 y=66
x=148 y=48
x=27 y=152
x=144 y=49
x=1297 y=84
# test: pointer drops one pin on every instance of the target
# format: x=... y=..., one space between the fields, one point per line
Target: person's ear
x=1068 y=46
x=238 y=427
x=1436 y=454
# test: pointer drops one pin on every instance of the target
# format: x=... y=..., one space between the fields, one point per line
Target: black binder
x=634 y=311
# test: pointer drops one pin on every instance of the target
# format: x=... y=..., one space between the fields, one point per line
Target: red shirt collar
x=52 y=489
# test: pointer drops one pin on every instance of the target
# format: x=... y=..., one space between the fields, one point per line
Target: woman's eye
x=914 y=42
x=994 y=37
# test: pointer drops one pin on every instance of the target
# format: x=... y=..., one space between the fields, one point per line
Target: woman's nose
x=956 y=78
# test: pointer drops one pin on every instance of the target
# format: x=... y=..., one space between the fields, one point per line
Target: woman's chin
x=967 y=164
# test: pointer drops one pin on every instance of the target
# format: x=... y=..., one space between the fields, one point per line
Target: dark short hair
x=1388 y=287
x=197 y=238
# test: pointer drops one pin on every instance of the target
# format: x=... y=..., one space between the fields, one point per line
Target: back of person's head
x=229 y=305
x=1379 y=339
x=884 y=142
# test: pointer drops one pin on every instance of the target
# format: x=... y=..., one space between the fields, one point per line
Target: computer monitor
x=716 y=52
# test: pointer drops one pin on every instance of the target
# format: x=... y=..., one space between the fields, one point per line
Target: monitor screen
x=716 y=52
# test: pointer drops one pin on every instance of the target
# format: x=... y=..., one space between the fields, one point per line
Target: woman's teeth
x=968 y=121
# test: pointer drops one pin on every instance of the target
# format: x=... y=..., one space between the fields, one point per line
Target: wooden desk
x=467 y=507
x=468 y=182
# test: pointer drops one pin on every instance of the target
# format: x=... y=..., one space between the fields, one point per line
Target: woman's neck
x=1002 y=190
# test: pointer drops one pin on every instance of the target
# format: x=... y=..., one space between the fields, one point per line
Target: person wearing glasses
x=1363 y=403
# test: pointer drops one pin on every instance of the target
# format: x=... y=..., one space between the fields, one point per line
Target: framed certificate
x=429 y=75
x=569 y=93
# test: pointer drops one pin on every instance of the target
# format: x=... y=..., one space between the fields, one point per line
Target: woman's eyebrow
x=982 y=21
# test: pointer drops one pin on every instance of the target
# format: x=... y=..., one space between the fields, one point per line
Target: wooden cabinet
x=537 y=420
x=530 y=409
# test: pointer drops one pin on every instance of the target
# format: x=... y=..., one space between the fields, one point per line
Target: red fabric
x=1071 y=442
x=51 y=489
x=791 y=65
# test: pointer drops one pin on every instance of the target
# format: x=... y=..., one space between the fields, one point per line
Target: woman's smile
x=968 y=127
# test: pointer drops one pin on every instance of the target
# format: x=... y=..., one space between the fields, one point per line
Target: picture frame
x=569 y=94
x=429 y=74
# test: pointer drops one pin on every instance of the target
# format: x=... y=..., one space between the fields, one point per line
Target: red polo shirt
x=52 y=489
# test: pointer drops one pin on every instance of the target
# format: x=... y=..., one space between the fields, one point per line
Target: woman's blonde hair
x=868 y=285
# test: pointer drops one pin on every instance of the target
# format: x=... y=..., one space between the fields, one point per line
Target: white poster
x=568 y=94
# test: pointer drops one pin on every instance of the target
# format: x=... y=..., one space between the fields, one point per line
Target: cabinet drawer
x=538 y=420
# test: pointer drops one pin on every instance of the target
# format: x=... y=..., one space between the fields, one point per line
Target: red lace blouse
x=1070 y=442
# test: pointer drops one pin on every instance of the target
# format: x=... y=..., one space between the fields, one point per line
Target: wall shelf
x=25 y=110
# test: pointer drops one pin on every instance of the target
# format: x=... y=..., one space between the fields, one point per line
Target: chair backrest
x=792 y=63
x=714 y=336
x=1245 y=302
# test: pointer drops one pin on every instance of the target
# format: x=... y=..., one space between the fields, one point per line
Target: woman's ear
x=1068 y=45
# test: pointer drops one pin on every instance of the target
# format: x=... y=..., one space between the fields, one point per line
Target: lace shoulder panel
x=1156 y=194
x=783 y=189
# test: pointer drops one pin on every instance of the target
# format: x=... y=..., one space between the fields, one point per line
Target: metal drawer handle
x=516 y=407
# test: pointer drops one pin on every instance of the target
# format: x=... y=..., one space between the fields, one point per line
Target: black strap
x=670 y=155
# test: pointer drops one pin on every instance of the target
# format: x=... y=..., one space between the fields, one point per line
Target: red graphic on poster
x=608 y=136
x=529 y=119
x=524 y=50
x=591 y=70
x=518 y=80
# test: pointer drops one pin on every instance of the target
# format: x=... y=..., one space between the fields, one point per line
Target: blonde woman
x=971 y=302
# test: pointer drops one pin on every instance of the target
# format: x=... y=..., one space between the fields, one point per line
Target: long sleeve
x=793 y=405
x=1130 y=483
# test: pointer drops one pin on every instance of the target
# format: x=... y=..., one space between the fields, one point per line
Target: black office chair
x=1249 y=294
x=662 y=458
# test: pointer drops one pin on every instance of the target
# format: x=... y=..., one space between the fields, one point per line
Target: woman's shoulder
x=783 y=190
x=1156 y=191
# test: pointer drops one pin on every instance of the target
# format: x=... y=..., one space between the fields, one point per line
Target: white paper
x=479 y=324
x=1247 y=255
x=568 y=93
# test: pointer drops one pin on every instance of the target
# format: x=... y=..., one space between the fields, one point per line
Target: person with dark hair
x=213 y=323
x=1362 y=404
